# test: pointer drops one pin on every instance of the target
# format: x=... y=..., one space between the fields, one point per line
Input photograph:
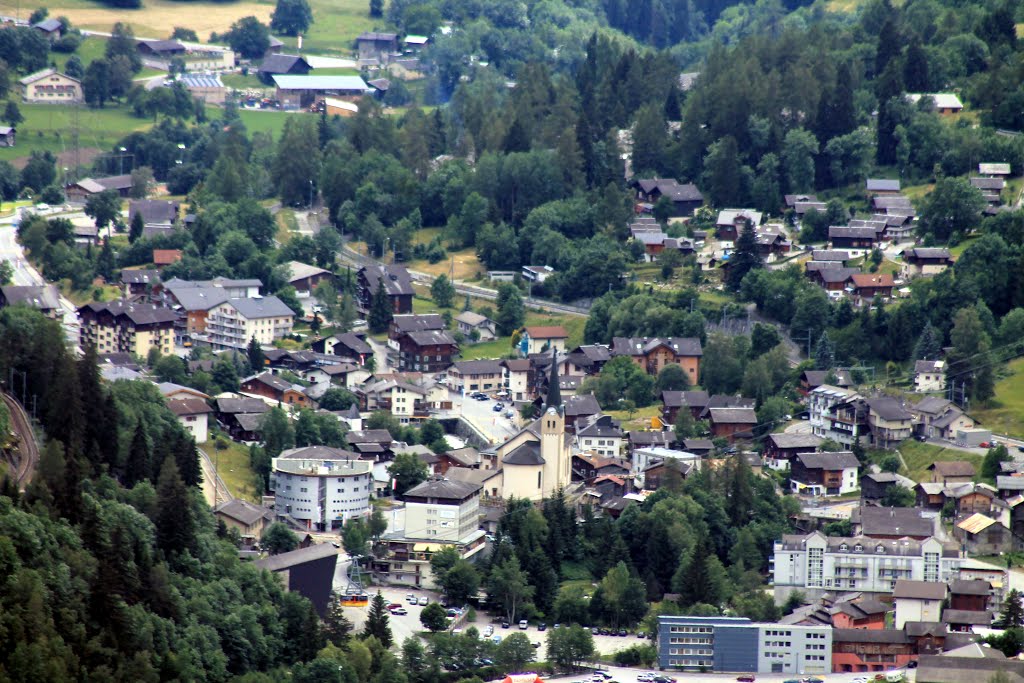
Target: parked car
x=510 y=414
x=641 y=634
x=411 y=599
x=399 y=611
x=623 y=632
x=664 y=679
x=489 y=631
x=812 y=679
x=453 y=613
x=424 y=601
x=394 y=605
x=542 y=626
x=603 y=675
x=505 y=623
x=647 y=677
x=523 y=624
x=498 y=407
x=746 y=678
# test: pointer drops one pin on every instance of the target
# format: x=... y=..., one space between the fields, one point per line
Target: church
x=536 y=462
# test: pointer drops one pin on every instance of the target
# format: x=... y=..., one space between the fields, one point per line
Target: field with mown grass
x=48 y=127
x=918 y=456
x=1005 y=414
x=233 y=466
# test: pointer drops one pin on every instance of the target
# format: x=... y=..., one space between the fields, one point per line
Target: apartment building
x=321 y=487
x=736 y=644
x=232 y=324
x=815 y=564
x=125 y=327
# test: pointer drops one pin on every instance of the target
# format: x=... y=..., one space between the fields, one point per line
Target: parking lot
x=624 y=675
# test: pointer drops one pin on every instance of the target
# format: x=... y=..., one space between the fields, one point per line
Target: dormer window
x=858 y=548
x=843 y=547
x=880 y=549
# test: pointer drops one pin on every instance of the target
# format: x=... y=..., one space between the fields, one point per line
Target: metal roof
x=294 y=82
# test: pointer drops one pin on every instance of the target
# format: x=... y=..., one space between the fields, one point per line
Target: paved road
x=481 y=413
x=25 y=274
x=624 y=675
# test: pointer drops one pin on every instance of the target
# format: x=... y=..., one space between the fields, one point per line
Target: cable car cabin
x=357 y=600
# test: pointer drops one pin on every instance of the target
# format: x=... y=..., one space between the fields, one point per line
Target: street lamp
x=310 y=193
x=120 y=158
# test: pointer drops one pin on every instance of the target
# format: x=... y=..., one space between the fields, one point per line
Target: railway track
x=27 y=448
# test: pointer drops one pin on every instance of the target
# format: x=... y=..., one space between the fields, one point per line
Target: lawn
x=1006 y=413
x=641 y=418
x=92 y=48
x=239 y=82
x=918 y=456
x=264 y=120
x=286 y=225
x=49 y=127
x=233 y=466
x=336 y=23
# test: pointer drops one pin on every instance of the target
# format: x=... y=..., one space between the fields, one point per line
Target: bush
x=67 y=44
x=637 y=655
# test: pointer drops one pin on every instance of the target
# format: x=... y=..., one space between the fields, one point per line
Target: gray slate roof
x=264 y=307
x=445 y=489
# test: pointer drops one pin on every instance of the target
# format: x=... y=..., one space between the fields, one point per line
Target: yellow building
x=49 y=86
x=536 y=462
x=126 y=327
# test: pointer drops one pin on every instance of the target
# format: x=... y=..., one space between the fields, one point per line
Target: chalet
x=241 y=417
x=396 y=282
x=685 y=198
x=846 y=237
x=700 y=447
x=165 y=257
x=936 y=417
x=517 y=378
x=925 y=261
x=830 y=255
x=970 y=595
x=994 y=169
x=781 y=449
x=282 y=65
x=981 y=535
x=1010 y=485
x=888 y=422
x=944 y=103
x=871 y=285
x=136 y=282
x=951 y=472
x=653 y=241
x=82 y=189
x=651 y=439
x=537 y=274
x=990 y=187
x=50 y=29
x=875 y=485
x=49 y=86
x=470 y=324
x=276 y=389
x=300 y=92
x=970 y=498
x=403 y=324
x=579 y=407
x=126 y=327
x=882 y=186
x=824 y=474
x=406 y=398
x=732 y=423
x=43 y=298
x=772 y=243
x=893 y=204
x=730 y=222
x=250 y=520
x=161 y=49
x=930 y=495
x=538 y=339
x=346 y=345
x=7 y=136
x=476 y=375
x=812 y=379
x=918 y=601
x=726 y=401
x=964 y=621
x=892 y=523
x=306 y=278
x=672 y=401
x=155 y=213
x=599 y=434
x=192 y=413
x=376 y=47
x=426 y=351
x=655 y=353
x=274 y=47
x=832 y=279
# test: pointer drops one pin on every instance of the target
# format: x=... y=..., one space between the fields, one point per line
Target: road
x=28 y=449
x=25 y=274
x=348 y=257
x=481 y=413
x=213 y=493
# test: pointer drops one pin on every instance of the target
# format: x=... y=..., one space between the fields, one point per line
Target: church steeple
x=554 y=399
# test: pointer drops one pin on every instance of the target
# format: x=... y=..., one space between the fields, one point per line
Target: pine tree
x=136 y=228
x=1012 y=614
x=255 y=355
x=824 y=353
x=381 y=311
x=139 y=465
x=377 y=621
x=745 y=256
x=337 y=627
x=175 y=525
x=187 y=459
x=929 y=346
x=741 y=493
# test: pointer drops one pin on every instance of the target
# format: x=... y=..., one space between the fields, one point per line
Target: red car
x=395 y=605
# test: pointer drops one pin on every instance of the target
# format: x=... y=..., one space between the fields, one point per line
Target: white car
x=646 y=677
x=399 y=611
x=523 y=625
x=489 y=631
x=860 y=679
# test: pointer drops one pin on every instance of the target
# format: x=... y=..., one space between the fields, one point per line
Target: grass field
x=233 y=466
x=260 y=121
x=240 y=82
x=48 y=127
x=336 y=23
x=1006 y=414
x=641 y=417
x=918 y=456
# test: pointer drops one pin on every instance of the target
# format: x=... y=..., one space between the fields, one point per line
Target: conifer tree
x=929 y=346
x=140 y=458
x=255 y=355
x=377 y=621
x=380 y=309
x=824 y=353
x=337 y=627
x=175 y=525
x=136 y=228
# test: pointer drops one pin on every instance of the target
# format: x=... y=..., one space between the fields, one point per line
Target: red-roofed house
x=870 y=285
x=165 y=257
x=539 y=339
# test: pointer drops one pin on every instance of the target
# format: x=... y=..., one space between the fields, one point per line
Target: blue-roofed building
x=299 y=92
x=739 y=645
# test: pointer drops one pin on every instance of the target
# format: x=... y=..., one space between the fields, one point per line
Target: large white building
x=815 y=564
x=232 y=324
x=820 y=401
x=438 y=513
x=321 y=487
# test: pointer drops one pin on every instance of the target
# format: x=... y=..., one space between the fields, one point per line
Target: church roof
x=526 y=454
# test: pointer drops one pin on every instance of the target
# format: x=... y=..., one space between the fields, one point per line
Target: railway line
x=27 y=449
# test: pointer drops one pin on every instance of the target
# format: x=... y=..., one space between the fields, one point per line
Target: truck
x=973 y=438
